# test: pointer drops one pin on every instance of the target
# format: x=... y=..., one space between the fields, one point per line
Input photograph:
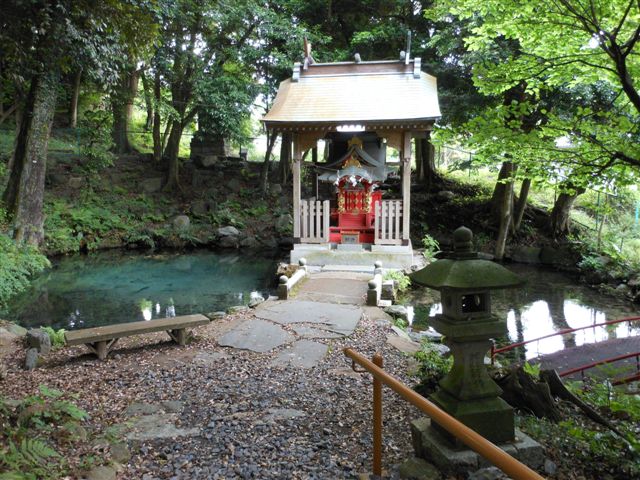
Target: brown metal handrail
x=497 y=456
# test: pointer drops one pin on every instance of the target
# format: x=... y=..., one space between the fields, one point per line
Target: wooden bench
x=101 y=340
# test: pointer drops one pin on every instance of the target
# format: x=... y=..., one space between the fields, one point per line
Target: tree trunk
x=285 y=158
x=119 y=129
x=522 y=391
x=148 y=101
x=25 y=190
x=75 y=94
x=122 y=108
x=157 y=138
x=132 y=92
x=498 y=191
x=173 y=151
x=505 y=213
x=559 y=220
x=522 y=203
x=429 y=173
x=264 y=172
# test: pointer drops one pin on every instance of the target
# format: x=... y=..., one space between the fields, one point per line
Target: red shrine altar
x=352 y=220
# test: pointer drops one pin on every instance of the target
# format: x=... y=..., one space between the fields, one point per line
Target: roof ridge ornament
x=308 y=58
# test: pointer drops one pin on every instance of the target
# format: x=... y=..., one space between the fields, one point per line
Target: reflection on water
x=548 y=303
x=107 y=288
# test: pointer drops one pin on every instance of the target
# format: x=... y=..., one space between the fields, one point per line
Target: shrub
x=431 y=247
x=433 y=365
x=17 y=265
x=56 y=336
x=402 y=281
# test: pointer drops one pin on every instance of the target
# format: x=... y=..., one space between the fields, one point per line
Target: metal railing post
x=377 y=419
x=493 y=453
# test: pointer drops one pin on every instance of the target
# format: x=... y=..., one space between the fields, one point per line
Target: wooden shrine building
x=359 y=109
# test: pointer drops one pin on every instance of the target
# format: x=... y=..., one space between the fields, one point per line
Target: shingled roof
x=383 y=93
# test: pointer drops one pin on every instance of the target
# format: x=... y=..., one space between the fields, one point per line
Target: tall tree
x=567 y=45
x=42 y=40
x=578 y=123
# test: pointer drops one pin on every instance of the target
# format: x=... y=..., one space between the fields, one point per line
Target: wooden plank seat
x=100 y=340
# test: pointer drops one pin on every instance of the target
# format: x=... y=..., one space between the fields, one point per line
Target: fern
x=56 y=336
x=27 y=460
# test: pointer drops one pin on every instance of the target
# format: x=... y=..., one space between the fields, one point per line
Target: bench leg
x=102 y=349
x=179 y=335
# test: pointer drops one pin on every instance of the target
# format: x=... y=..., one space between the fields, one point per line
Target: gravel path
x=253 y=420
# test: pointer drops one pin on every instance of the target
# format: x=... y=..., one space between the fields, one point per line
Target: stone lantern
x=468 y=393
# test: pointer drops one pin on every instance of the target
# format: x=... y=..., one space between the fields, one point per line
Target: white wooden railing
x=314 y=221
x=388 y=222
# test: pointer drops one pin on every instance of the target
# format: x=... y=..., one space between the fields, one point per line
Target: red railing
x=582 y=368
x=619 y=381
x=495 y=351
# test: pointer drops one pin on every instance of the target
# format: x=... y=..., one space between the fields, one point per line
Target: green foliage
x=68 y=228
x=532 y=370
x=605 y=396
x=593 y=444
x=27 y=460
x=431 y=247
x=232 y=213
x=401 y=281
x=598 y=452
x=56 y=336
x=95 y=140
x=17 y=265
x=559 y=103
x=400 y=323
x=26 y=449
x=432 y=367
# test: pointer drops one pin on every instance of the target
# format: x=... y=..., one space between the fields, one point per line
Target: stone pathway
x=327 y=306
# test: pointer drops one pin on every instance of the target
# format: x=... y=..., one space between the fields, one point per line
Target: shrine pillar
x=295 y=172
x=405 y=157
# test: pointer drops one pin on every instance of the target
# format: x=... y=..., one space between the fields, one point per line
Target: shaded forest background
x=542 y=98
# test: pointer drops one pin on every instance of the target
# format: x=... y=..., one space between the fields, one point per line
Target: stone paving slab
x=283 y=414
x=310 y=332
x=256 y=335
x=154 y=426
x=335 y=288
x=303 y=354
x=336 y=318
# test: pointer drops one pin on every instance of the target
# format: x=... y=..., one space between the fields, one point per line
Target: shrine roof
x=386 y=93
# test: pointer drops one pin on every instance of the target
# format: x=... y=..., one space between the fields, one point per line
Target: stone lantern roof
x=463 y=270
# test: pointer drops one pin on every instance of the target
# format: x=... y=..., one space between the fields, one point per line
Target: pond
x=114 y=287
x=549 y=302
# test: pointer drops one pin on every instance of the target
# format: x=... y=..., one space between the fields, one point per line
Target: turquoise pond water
x=110 y=287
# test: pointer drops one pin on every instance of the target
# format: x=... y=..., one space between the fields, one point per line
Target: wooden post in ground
x=377 y=419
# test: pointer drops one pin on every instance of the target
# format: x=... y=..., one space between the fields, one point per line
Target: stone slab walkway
x=335 y=287
x=337 y=318
x=328 y=306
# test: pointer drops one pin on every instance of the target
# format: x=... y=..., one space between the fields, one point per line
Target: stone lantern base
x=430 y=445
x=490 y=417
